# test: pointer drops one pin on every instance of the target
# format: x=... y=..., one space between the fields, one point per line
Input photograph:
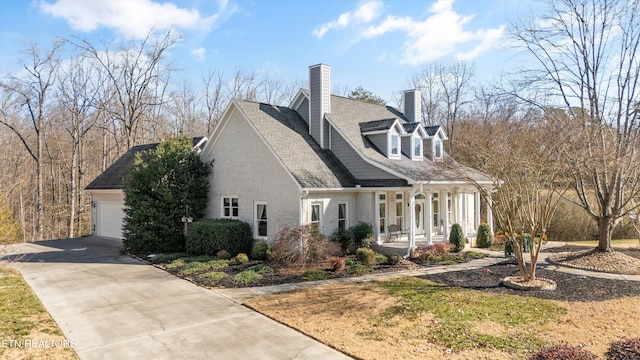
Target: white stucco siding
x=244 y=166
x=107 y=213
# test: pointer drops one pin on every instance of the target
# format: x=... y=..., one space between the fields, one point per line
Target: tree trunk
x=72 y=197
x=605 y=229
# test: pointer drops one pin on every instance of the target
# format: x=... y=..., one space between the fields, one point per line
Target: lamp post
x=186 y=220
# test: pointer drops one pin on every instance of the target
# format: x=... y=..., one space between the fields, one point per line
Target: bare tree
x=588 y=57
x=214 y=98
x=30 y=91
x=134 y=72
x=445 y=91
x=79 y=85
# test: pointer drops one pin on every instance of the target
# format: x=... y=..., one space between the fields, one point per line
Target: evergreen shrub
x=208 y=237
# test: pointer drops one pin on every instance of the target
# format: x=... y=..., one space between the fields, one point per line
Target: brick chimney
x=319 y=102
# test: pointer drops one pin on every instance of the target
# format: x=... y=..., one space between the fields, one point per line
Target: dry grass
x=22 y=317
x=354 y=318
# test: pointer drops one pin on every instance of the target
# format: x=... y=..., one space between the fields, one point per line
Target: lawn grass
x=617 y=243
x=22 y=317
x=457 y=310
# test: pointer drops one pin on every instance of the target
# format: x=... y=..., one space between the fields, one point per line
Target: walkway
x=244 y=294
x=115 y=307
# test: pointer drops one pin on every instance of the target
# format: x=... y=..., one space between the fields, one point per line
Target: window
x=260 y=223
x=382 y=212
x=395 y=145
x=342 y=216
x=399 y=207
x=315 y=215
x=437 y=149
x=436 y=210
x=417 y=147
x=230 y=207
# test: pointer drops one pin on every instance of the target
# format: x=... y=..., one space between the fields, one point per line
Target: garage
x=109 y=219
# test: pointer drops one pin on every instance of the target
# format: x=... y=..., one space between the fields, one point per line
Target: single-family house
x=333 y=162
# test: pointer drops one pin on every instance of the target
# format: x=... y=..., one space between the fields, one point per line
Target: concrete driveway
x=115 y=307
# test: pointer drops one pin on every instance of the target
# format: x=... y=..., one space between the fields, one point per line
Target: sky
x=376 y=44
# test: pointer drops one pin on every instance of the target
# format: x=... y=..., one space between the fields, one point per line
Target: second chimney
x=413 y=105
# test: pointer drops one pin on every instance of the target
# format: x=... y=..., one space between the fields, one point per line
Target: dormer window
x=394 y=148
x=437 y=148
x=417 y=148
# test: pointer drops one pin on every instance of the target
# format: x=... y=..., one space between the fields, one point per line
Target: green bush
x=208 y=237
x=214 y=276
x=315 y=274
x=484 y=238
x=240 y=259
x=260 y=269
x=359 y=269
x=247 y=277
x=357 y=236
x=456 y=237
x=624 y=349
x=164 y=182
x=366 y=256
x=223 y=254
x=260 y=251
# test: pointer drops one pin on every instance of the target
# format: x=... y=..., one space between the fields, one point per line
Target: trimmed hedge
x=208 y=237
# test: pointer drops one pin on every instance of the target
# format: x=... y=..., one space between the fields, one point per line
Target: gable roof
x=347 y=115
x=118 y=174
x=287 y=134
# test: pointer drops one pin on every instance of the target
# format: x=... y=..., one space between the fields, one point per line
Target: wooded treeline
x=75 y=107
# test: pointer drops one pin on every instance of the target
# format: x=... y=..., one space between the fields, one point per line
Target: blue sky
x=376 y=44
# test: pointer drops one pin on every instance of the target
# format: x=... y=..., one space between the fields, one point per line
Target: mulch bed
x=570 y=287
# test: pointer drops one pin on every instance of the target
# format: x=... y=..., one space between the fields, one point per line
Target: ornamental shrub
x=366 y=256
x=456 y=237
x=624 y=349
x=301 y=245
x=484 y=239
x=338 y=263
x=208 y=237
x=357 y=236
x=563 y=352
x=240 y=259
x=260 y=251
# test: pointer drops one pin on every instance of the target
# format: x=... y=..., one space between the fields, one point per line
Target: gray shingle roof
x=118 y=174
x=377 y=125
x=288 y=135
x=431 y=130
x=347 y=115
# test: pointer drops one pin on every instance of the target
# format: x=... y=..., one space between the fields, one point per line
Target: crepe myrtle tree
x=521 y=159
x=167 y=184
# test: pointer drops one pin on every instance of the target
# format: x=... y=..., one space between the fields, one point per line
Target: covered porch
x=423 y=214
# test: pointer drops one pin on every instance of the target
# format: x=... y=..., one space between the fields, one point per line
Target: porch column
x=476 y=215
x=490 y=212
x=412 y=223
x=445 y=215
x=464 y=213
x=428 y=223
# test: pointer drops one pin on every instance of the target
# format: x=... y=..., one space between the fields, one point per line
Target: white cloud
x=132 y=18
x=365 y=13
x=443 y=32
x=200 y=53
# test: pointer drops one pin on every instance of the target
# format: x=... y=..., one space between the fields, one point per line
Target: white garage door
x=110 y=215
